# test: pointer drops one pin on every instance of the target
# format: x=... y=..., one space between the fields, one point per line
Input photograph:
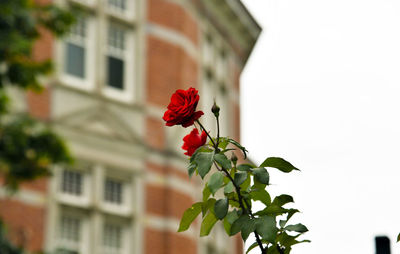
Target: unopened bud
x=234 y=158
x=215 y=109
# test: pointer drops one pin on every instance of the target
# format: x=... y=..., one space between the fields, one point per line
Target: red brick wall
x=173 y=16
x=25 y=223
x=168 y=68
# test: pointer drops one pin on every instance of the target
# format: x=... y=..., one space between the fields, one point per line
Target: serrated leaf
x=207 y=224
x=240 y=177
x=261 y=195
x=282 y=200
x=216 y=181
x=204 y=162
x=222 y=160
x=228 y=188
x=191 y=168
x=261 y=175
x=300 y=228
x=266 y=227
x=221 y=208
x=244 y=167
x=189 y=216
x=278 y=163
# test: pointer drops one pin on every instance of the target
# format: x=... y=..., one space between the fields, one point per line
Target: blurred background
x=321 y=90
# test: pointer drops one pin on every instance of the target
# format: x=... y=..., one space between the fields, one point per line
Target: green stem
x=204 y=129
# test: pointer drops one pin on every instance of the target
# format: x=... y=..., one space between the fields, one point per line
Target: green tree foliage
x=27 y=147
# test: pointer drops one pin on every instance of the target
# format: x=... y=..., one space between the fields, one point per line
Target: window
x=70 y=235
x=119 y=63
x=77 y=49
x=115 y=57
x=72 y=182
x=112 y=238
x=113 y=191
x=75 y=56
x=117 y=4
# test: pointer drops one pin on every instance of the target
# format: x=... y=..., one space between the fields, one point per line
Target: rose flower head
x=193 y=140
x=182 y=108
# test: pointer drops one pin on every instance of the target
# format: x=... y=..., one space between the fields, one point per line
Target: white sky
x=322 y=90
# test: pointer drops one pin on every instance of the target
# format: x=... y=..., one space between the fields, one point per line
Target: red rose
x=193 y=140
x=182 y=108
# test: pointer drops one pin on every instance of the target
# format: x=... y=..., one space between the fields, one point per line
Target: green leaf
x=228 y=188
x=279 y=163
x=245 y=186
x=229 y=219
x=240 y=177
x=398 y=238
x=300 y=228
x=261 y=195
x=282 y=200
x=223 y=142
x=266 y=227
x=222 y=160
x=291 y=212
x=221 y=208
x=244 y=167
x=238 y=224
x=192 y=167
x=273 y=210
x=255 y=244
x=189 y=216
x=206 y=193
x=247 y=229
x=261 y=175
x=216 y=181
x=207 y=224
x=207 y=205
x=235 y=143
x=204 y=162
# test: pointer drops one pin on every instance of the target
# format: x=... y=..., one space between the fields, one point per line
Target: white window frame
x=87 y=83
x=126 y=245
x=82 y=200
x=123 y=209
x=83 y=245
x=128 y=13
x=127 y=55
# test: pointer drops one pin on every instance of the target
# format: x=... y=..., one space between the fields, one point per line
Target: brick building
x=116 y=71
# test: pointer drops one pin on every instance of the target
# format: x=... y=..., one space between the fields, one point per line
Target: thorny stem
x=217 y=130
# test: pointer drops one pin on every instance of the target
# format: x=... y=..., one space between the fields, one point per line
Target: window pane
x=72 y=182
x=118 y=4
x=113 y=191
x=116 y=37
x=75 y=60
x=112 y=236
x=115 y=72
x=70 y=229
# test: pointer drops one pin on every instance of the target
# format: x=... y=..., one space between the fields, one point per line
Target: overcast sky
x=322 y=90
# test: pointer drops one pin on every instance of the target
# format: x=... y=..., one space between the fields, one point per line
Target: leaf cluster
x=21 y=23
x=228 y=195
